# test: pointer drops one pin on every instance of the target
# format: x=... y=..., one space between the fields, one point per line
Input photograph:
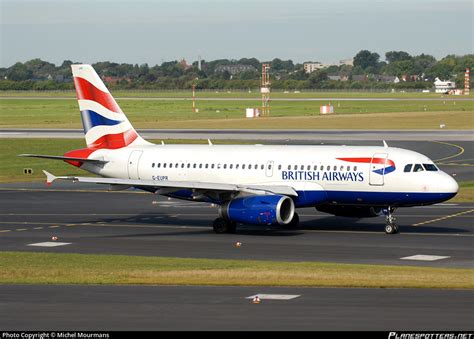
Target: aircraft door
x=133 y=160
x=269 y=168
x=377 y=169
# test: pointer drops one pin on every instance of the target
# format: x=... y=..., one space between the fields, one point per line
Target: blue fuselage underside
x=314 y=198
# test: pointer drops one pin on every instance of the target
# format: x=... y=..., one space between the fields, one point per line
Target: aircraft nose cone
x=450 y=185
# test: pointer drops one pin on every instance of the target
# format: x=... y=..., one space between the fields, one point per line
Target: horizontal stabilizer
x=57 y=157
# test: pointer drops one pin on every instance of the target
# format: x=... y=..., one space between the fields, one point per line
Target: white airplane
x=252 y=184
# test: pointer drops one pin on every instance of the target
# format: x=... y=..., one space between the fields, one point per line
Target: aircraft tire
x=221 y=226
x=391 y=229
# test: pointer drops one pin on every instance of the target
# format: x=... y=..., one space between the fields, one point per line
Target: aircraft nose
x=446 y=186
x=449 y=185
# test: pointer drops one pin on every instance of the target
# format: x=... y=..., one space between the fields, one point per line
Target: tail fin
x=105 y=125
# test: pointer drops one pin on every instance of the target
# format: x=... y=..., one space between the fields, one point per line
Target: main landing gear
x=221 y=225
x=391 y=227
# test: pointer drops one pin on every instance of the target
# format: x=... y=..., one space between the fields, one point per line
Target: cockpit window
x=407 y=168
x=418 y=168
x=430 y=167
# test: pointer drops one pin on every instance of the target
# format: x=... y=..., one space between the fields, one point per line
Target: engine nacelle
x=259 y=209
x=351 y=211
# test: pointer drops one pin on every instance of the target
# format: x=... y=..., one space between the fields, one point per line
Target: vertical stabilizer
x=105 y=125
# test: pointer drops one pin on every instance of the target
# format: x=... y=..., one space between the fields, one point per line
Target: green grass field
x=55 y=268
x=64 y=113
x=11 y=166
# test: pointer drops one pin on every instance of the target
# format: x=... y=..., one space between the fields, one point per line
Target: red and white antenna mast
x=467 y=81
x=265 y=90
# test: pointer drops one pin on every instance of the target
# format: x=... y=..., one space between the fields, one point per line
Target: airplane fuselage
x=353 y=175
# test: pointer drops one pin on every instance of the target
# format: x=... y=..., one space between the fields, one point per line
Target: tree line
x=367 y=72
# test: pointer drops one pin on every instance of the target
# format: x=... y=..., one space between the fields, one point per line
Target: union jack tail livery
x=105 y=125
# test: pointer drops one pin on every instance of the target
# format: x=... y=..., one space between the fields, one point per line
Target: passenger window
x=355 y=168
x=206 y=166
x=212 y=165
x=225 y=166
x=335 y=168
x=321 y=168
x=279 y=167
x=176 y=166
x=269 y=166
x=296 y=167
x=182 y=165
x=342 y=168
x=302 y=167
x=430 y=167
x=200 y=165
x=153 y=165
x=256 y=166
x=407 y=168
x=236 y=166
x=243 y=166
x=309 y=167
x=194 y=165
x=348 y=168
x=262 y=167
x=328 y=168
x=289 y=167
x=158 y=165
x=418 y=168
x=230 y=166
x=164 y=165
x=189 y=165
x=315 y=167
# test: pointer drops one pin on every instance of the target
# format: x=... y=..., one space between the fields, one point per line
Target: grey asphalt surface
x=131 y=223
x=97 y=221
x=94 y=220
x=285 y=136
x=225 y=308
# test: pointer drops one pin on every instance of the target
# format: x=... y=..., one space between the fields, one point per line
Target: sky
x=146 y=31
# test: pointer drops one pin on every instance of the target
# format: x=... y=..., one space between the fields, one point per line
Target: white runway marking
x=275 y=296
x=423 y=257
x=50 y=244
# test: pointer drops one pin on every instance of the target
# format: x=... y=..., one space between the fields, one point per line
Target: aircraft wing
x=162 y=187
x=57 y=157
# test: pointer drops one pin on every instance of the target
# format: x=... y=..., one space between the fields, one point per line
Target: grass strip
x=56 y=268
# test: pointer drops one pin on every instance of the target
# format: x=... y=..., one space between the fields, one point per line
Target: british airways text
x=325 y=176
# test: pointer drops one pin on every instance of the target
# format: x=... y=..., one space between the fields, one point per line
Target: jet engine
x=259 y=209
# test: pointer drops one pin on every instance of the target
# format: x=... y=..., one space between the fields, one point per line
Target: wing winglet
x=49 y=177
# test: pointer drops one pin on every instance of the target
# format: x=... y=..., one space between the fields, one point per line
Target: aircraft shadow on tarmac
x=324 y=224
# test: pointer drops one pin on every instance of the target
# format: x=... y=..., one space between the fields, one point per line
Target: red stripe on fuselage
x=369 y=160
x=87 y=91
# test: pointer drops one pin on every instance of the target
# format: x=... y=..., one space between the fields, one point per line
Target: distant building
x=310 y=67
x=359 y=77
x=386 y=79
x=348 y=62
x=444 y=86
x=184 y=65
x=114 y=80
x=337 y=77
x=234 y=69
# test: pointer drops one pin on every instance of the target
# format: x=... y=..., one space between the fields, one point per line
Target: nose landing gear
x=391 y=227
